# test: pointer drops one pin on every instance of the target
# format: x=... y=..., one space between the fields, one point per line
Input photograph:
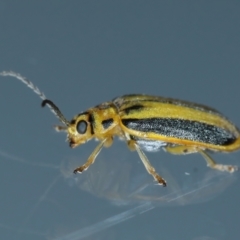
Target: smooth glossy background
x=82 y=53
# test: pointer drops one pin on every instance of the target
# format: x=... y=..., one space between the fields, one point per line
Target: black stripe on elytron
x=133 y=108
x=107 y=123
x=182 y=129
x=92 y=122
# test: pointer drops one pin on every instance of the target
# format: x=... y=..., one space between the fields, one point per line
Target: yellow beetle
x=149 y=123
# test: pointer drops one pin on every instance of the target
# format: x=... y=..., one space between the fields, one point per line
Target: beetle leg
x=91 y=158
x=212 y=164
x=151 y=170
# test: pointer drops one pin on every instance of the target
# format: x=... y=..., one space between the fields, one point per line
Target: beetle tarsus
x=161 y=181
x=226 y=168
x=79 y=170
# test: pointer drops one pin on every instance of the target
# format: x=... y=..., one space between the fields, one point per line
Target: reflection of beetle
x=149 y=123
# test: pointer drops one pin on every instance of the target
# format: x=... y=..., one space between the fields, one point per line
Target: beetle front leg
x=91 y=158
x=151 y=170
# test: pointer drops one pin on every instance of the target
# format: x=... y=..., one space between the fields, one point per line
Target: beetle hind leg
x=212 y=164
x=150 y=169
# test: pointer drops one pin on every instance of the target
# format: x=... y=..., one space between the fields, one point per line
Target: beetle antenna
x=54 y=109
x=25 y=81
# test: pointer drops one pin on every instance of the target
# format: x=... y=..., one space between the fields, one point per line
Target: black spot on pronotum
x=81 y=127
x=133 y=108
x=107 y=123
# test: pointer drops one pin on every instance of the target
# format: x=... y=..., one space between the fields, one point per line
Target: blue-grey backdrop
x=82 y=53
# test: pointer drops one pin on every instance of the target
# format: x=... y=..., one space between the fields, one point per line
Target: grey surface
x=82 y=53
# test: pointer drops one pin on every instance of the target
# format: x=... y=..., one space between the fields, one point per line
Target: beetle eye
x=82 y=127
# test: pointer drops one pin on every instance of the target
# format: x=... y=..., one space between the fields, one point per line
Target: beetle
x=149 y=123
